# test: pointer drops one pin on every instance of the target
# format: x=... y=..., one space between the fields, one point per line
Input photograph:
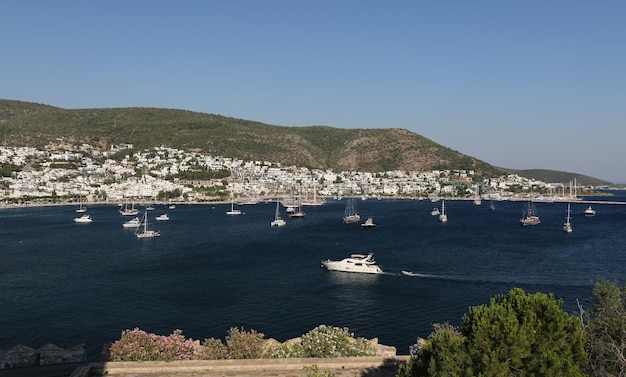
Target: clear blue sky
x=518 y=84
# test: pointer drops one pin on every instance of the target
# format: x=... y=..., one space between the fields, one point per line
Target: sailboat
x=145 y=231
x=129 y=211
x=477 y=200
x=278 y=221
x=81 y=208
x=567 y=226
x=316 y=201
x=530 y=214
x=233 y=211
x=442 y=216
x=350 y=214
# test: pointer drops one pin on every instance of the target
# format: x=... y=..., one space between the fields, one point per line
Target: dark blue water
x=68 y=283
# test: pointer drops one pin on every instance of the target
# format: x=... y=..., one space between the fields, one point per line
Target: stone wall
x=23 y=356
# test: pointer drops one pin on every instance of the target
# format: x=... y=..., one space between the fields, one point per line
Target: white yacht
x=369 y=223
x=83 y=219
x=163 y=217
x=355 y=263
x=134 y=223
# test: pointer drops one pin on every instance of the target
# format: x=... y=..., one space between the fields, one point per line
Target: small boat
x=567 y=226
x=145 y=231
x=172 y=206
x=360 y=263
x=81 y=208
x=83 y=219
x=369 y=223
x=408 y=273
x=530 y=215
x=442 y=216
x=492 y=207
x=298 y=213
x=278 y=221
x=435 y=211
x=134 y=223
x=590 y=212
x=163 y=217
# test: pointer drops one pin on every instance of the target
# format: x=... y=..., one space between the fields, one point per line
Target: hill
x=554 y=176
x=321 y=147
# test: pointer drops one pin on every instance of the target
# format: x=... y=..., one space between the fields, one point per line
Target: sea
x=67 y=283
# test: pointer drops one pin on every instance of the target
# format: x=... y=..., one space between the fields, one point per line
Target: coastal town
x=65 y=173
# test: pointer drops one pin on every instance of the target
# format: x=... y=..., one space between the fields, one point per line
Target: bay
x=67 y=284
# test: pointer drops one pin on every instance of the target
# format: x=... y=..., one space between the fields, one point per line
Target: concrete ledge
x=258 y=367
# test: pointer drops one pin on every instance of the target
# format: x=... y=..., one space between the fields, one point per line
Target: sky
x=518 y=84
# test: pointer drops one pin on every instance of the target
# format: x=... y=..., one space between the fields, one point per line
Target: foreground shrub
x=244 y=344
x=213 y=349
x=516 y=335
x=328 y=341
x=606 y=330
x=138 y=345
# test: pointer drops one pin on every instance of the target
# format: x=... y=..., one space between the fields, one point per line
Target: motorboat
x=435 y=211
x=408 y=273
x=134 y=223
x=355 y=263
x=369 y=223
x=590 y=212
x=163 y=217
x=83 y=219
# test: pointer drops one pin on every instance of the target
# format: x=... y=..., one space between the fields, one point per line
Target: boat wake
x=490 y=280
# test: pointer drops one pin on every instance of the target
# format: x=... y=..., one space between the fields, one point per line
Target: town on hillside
x=64 y=174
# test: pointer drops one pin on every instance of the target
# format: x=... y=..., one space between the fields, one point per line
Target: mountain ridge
x=321 y=147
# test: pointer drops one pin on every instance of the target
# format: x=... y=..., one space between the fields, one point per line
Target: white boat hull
x=356 y=263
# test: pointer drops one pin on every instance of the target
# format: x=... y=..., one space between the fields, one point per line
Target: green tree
x=517 y=334
x=606 y=330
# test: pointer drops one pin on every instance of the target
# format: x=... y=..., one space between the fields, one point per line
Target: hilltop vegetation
x=320 y=147
x=553 y=176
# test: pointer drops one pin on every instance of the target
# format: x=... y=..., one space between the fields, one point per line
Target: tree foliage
x=606 y=330
x=517 y=334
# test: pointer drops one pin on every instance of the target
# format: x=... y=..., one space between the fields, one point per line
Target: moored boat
x=369 y=223
x=360 y=263
x=590 y=212
x=134 y=223
x=83 y=219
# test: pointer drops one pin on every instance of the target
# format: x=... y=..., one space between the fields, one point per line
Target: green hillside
x=373 y=150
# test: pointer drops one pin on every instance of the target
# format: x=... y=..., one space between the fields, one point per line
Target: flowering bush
x=244 y=344
x=287 y=350
x=327 y=341
x=138 y=345
x=213 y=349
